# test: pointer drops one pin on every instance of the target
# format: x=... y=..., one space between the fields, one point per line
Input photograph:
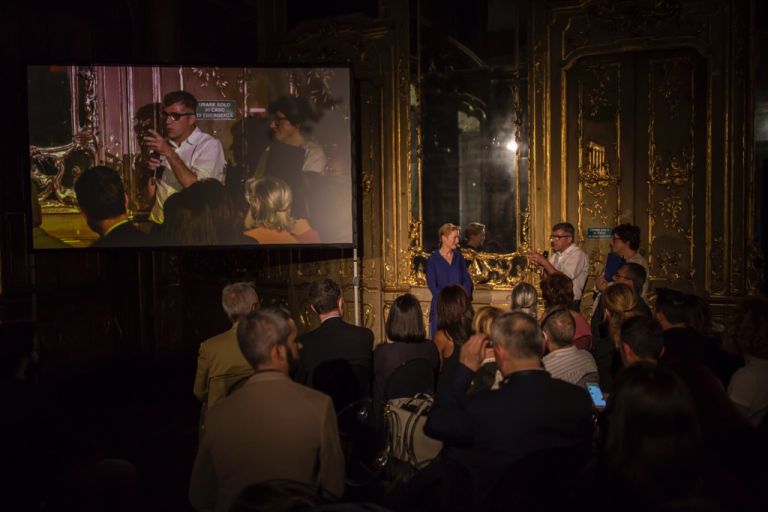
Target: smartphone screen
x=597 y=396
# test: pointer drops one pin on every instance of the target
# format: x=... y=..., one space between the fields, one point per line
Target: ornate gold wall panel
x=639 y=114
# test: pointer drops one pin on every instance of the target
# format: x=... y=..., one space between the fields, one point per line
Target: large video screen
x=178 y=156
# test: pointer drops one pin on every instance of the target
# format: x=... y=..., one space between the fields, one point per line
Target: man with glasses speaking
x=567 y=258
x=186 y=156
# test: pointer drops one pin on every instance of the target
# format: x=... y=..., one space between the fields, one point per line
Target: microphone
x=545 y=254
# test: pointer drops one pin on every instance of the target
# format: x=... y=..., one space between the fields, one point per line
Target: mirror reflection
x=472 y=93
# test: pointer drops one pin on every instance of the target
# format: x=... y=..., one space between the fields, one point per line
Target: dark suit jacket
x=336 y=339
x=487 y=432
x=124 y=235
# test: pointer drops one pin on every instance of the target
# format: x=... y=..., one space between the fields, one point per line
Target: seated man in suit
x=220 y=363
x=334 y=339
x=271 y=428
x=103 y=202
x=489 y=432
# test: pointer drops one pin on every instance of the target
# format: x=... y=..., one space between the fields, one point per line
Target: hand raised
x=473 y=352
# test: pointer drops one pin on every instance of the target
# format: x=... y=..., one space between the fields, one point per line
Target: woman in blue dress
x=446 y=266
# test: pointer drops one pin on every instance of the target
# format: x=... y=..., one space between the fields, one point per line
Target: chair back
x=337 y=379
x=412 y=377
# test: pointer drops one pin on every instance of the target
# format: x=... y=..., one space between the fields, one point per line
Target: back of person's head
x=518 y=334
x=297 y=110
x=628 y=234
x=637 y=274
x=697 y=314
x=655 y=437
x=748 y=329
x=405 y=321
x=484 y=318
x=524 y=298
x=100 y=193
x=455 y=313
x=644 y=336
x=324 y=295
x=183 y=97
x=559 y=326
x=557 y=290
x=473 y=229
x=238 y=300
x=620 y=301
x=567 y=227
x=201 y=214
x=269 y=200
x=209 y=199
x=672 y=304
x=260 y=331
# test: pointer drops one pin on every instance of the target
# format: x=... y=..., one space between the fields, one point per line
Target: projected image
x=124 y=156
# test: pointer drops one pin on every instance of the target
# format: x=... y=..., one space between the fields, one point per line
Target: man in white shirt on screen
x=188 y=155
x=567 y=258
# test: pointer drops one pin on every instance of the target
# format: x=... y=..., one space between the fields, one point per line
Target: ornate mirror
x=469 y=105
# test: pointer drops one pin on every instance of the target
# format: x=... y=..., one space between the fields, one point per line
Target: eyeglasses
x=277 y=120
x=175 y=115
x=558 y=237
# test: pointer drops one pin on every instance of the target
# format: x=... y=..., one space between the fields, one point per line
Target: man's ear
x=340 y=305
x=278 y=352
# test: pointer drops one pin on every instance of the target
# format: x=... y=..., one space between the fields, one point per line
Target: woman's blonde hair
x=484 y=318
x=524 y=298
x=269 y=201
x=445 y=230
x=620 y=301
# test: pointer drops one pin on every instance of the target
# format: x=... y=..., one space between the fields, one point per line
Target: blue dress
x=441 y=274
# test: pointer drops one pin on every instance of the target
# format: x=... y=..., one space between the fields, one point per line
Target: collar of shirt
x=331 y=315
x=561 y=352
x=193 y=138
x=568 y=250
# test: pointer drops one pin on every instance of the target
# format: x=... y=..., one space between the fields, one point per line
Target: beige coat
x=220 y=365
x=271 y=428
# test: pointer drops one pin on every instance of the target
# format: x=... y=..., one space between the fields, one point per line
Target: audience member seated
x=220 y=363
x=631 y=274
x=748 y=388
x=681 y=343
x=272 y=428
x=488 y=376
x=102 y=199
x=201 y=214
x=407 y=340
x=563 y=360
x=269 y=219
x=655 y=456
x=454 y=327
x=557 y=291
x=619 y=303
x=487 y=433
x=525 y=298
x=727 y=435
x=335 y=338
x=699 y=318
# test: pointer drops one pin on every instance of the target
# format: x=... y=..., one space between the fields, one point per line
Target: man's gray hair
x=260 y=331
x=518 y=334
x=559 y=326
x=239 y=299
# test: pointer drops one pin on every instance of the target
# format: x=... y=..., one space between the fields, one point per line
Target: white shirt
x=204 y=156
x=574 y=263
x=314 y=158
x=749 y=388
x=571 y=365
